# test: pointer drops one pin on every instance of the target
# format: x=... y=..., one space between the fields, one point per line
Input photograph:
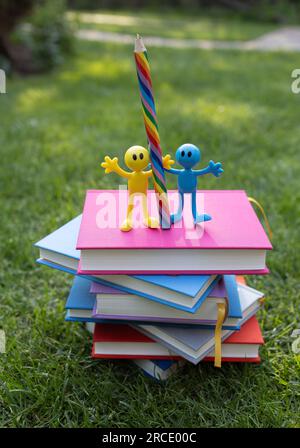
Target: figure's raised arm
x=112 y=165
x=173 y=171
x=214 y=168
x=167 y=163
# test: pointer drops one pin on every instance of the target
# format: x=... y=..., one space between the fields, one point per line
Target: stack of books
x=164 y=297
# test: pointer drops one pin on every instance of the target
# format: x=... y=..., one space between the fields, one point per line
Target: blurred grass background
x=174 y=24
x=55 y=129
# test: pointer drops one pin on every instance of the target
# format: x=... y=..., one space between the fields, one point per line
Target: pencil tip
x=139 y=46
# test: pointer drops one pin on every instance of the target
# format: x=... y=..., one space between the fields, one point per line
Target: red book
x=243 y=345
x=122 y=341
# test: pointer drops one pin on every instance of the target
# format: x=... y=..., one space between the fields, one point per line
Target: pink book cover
x=234 y=223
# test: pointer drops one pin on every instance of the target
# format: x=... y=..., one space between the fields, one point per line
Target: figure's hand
x=110 y=165
x=215 y=168
x=167 y=162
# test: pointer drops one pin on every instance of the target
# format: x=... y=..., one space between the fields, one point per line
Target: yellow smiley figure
x=136 y=159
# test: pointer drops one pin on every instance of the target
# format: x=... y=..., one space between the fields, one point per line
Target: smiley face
x=136 y=158
x=188 y=155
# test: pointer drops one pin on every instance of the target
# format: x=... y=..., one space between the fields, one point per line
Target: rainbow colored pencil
x=151 y=126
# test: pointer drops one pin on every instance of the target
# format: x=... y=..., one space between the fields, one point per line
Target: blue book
x=80 y=302
x=70 y=318
x=234 y=303
x=159 y=370
x=185 y=292
x=81 y=307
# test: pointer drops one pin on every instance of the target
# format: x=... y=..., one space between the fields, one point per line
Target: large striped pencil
x=151 y=126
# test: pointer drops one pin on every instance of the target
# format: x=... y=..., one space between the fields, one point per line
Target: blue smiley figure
x=188 y=156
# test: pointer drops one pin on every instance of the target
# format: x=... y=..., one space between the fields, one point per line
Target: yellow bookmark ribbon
x=222 y=311
x=267 y=224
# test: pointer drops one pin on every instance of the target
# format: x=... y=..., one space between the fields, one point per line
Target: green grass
x=172 y=24
x=55 y=130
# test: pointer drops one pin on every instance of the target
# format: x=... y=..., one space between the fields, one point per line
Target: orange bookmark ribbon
x=267 y=224
x=222 y=311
